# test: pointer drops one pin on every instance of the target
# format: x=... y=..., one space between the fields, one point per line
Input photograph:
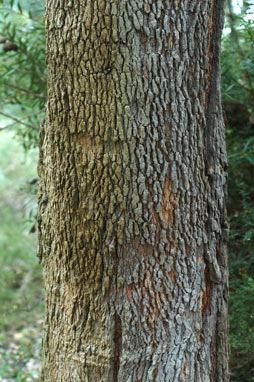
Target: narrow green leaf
x=249 y=141
x=20 y=8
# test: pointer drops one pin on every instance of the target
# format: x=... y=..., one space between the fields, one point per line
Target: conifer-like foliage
x=23 y=97
x=238 y=96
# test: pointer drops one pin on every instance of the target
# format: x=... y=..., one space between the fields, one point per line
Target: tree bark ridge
x=132 y=165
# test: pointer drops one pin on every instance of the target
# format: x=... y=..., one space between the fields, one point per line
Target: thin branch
x=18 y=121
x=22 y=119
x=232 y=21
x=4 y=128
x=24 y=90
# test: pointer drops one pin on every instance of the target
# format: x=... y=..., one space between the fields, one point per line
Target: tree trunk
x=132 y=230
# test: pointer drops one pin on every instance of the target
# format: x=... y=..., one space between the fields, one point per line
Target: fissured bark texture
x=132 y=230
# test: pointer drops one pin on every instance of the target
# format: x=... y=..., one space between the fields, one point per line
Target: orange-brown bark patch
x=144 y=249
x=154 y=314
x=168 y=204
x=200 y=260
x=84 y=141
x=185 y=370
x=129 y=290
x=172 y=275
x=147 y=281
x=158 y=300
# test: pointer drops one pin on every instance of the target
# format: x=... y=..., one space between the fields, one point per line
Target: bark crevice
x=117 y=346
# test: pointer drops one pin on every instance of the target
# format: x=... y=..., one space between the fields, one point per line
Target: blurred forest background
x=22 y=105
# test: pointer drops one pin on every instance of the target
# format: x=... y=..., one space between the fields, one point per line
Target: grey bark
x=132 y=229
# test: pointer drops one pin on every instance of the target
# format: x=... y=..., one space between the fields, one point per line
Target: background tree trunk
x=132 y=231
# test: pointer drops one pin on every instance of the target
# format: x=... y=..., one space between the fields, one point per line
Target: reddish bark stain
x=207 y=293
x=147 y=7
x=153 y=220
x=155 y=372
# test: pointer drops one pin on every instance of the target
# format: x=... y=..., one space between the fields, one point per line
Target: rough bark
x=132 y=230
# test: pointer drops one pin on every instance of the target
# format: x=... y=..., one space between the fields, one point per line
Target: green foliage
x=242 y=328
x=237 y=63
x=22 y=70
x=20 y=273
x=238 y=95
x=22 y=100
x=14 y=364
x=21 y=292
